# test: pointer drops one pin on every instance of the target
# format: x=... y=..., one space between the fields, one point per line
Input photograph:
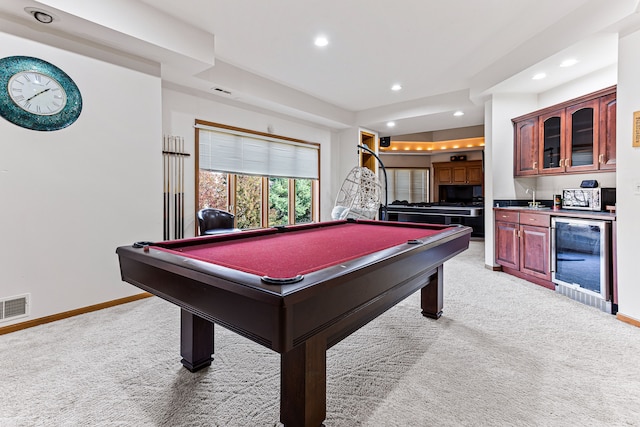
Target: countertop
x=562 y=212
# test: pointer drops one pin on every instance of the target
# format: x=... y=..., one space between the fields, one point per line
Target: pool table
x=297 y=290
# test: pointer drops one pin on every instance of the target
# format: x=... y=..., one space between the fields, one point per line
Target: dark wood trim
x=628 y=320
x=254 y=132
x=71 y=313
x=196 y=180
x=493 y=267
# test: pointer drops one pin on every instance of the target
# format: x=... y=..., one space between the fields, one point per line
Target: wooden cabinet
x=456 y=173
x=582 y=137
x=443 y=175
x=467 y=172
x=507 y=239
x=552 y=137
x=526 y=147
x=522 y=245
x=535 y=244
x=607 y=143
x=475 y=174
x=573 y=137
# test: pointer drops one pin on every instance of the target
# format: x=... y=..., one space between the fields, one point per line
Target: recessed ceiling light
x=539 y=76
x=321 y=41
x=396 y=87
x=391 y=124
x=458 y=113
x=568 y=62
x=40 y=15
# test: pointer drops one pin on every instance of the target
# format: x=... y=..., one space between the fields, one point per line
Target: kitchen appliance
x=588 y=199
x=580 y=255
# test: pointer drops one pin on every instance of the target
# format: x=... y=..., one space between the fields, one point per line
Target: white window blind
x=223 y=150
x=411 y=185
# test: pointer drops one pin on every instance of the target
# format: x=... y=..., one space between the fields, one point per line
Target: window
x=213 y=190
x=248 y=201
x=411 y=185
x=303 y=201
x=263 y=180
x=278 y=201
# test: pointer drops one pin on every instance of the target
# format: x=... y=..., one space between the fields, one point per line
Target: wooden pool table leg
x=196 y=341
x=303 y=384
x=431 y=296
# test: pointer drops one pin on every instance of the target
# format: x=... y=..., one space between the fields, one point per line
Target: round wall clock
x=37 y=95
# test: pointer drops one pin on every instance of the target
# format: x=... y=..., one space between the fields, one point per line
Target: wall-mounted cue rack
x=173 y=156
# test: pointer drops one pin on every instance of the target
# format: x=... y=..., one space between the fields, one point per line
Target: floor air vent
x=13 y=307
x=584 y=297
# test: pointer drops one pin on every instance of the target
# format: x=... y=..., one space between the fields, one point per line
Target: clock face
x=37 y=95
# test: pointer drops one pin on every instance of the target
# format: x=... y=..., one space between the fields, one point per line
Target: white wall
x=181 y=109
x=499 y=182
x=70 y=197
x=628 y=176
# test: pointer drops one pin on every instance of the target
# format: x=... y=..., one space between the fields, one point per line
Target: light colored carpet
x=505 y=353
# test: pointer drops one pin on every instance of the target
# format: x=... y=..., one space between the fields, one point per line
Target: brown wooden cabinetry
x=582 y=137
x=467 y=172
x=607 y=143
x=507 y=240
x=526 y=147
x=552 y=137
x=576 y=136
x=522 y=245
x=456 y=173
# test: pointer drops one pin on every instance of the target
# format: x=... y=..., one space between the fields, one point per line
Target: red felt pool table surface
x=285 y=255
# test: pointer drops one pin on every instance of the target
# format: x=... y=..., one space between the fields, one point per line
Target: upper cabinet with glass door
x=573 y=137
x=582 y=137
x=552 y=142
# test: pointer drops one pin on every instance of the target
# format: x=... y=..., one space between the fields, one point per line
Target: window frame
x=232 y=177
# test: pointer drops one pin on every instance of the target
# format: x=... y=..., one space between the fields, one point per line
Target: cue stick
x=165 y=178
x=181 y=187
x=179 y=183
x=175 y=192
x=168 y=189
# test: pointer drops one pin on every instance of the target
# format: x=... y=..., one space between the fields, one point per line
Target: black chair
x=215 y=221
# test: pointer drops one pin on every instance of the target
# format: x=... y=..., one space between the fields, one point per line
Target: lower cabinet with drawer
x=522 y=245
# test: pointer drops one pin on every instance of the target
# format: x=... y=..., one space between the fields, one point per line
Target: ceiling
x=447 y=55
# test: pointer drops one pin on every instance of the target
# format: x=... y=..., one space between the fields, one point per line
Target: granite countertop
x=562 y=212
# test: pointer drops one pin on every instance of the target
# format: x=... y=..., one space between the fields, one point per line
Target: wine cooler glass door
x=580 y=254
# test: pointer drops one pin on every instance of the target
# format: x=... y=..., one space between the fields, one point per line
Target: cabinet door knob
x=601 y=158
x=535 y=165
x=561 y=160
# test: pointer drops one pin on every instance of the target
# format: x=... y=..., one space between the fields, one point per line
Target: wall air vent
x=14 y=307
